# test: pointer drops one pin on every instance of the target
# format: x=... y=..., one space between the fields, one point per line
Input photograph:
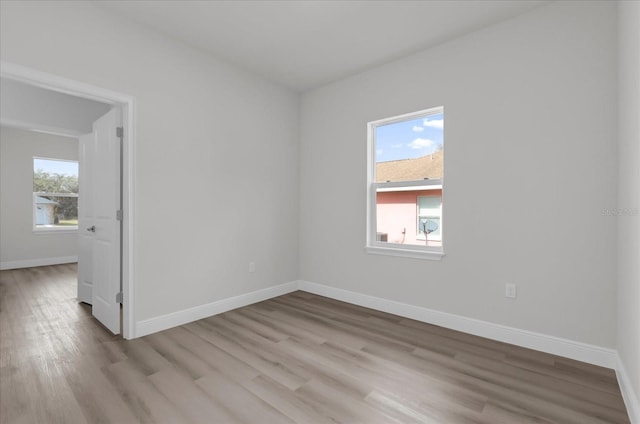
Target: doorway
x=126 y=105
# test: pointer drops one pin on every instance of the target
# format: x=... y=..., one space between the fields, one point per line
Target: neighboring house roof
x=429 y=166
x=45 y=201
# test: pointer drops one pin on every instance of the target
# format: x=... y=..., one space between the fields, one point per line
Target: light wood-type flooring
x=297 y=358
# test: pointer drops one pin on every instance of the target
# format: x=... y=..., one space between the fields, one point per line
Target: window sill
x=405 y=253
x=55 y=230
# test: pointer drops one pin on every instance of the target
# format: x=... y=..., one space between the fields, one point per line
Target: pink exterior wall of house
x=397 y=211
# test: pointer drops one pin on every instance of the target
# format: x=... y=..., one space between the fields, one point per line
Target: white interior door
x=85 y=218
x=106 y=205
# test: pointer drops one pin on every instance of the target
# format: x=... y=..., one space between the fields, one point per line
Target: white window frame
x=394 y=249
x=52 y=229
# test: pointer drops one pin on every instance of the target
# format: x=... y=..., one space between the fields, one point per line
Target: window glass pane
x=55 y=176
x=55 y=187
x=410 y=150
x=428 y=205
x=56 y=211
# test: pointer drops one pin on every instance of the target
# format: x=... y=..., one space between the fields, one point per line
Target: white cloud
x=417 y=128
x=379 y=152
x=434 y=123
x=396 y=146
x=423 y=143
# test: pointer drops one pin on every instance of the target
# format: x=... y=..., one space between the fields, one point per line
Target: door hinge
x=119 y=215
x=119 y=132
x=119 y=297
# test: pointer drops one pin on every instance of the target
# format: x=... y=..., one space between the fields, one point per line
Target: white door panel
x=106 y=203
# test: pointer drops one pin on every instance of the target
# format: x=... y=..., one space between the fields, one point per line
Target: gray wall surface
x=216 y=153
x=18 y=241
x=530 y=154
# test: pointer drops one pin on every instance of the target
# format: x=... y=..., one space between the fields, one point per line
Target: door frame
x=127 y=104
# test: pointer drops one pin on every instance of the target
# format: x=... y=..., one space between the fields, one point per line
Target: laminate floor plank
x=407 y=340
x=587 y=400
x=140 y=352
x=225 y=362
x=289 y=403
x=363 y=369
x=255 y=313
x=259 y=328
x=245 y=405
x=238 y=348
x=403 y=410
x=456 y=373
x=316 y=324
x=53 y=400
x=178 y=355
x=331 y=403
x=191 y=399
x=352 y=327
x=261 y=354
x=145 y=401
x=297 y=358
x=15 y=405
x=98 y=399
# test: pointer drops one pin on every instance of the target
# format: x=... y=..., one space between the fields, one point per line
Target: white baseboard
x=628 y=393
x=175 y=319
x=28 y=263
x=550 y=344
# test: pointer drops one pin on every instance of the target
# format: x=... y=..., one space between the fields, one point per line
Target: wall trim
x=545 y=343
x=628 y=393
x=29 y=263
x=185 y=316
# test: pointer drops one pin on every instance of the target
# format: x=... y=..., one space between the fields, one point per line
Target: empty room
x=320 y=211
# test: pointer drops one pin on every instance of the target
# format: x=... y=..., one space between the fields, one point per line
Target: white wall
x=216 y=154
x=529 y=167
x=27 y=106
x=629 y=194
x=18 y=243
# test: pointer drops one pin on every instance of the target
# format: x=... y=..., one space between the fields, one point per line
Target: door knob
x=92 y=229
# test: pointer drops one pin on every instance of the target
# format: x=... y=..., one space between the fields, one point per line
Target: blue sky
x=56 y=166
x=410 y=139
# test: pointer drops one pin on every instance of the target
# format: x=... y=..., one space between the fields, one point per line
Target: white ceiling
x=305 y=44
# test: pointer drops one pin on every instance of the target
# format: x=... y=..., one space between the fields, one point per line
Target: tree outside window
x=55 y=194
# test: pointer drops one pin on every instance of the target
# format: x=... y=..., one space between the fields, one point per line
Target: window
x=405 y=185
x=55 y=194
x=429 y=214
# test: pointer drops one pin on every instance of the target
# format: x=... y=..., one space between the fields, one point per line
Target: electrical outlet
x=510 y=291
x=252 y=267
